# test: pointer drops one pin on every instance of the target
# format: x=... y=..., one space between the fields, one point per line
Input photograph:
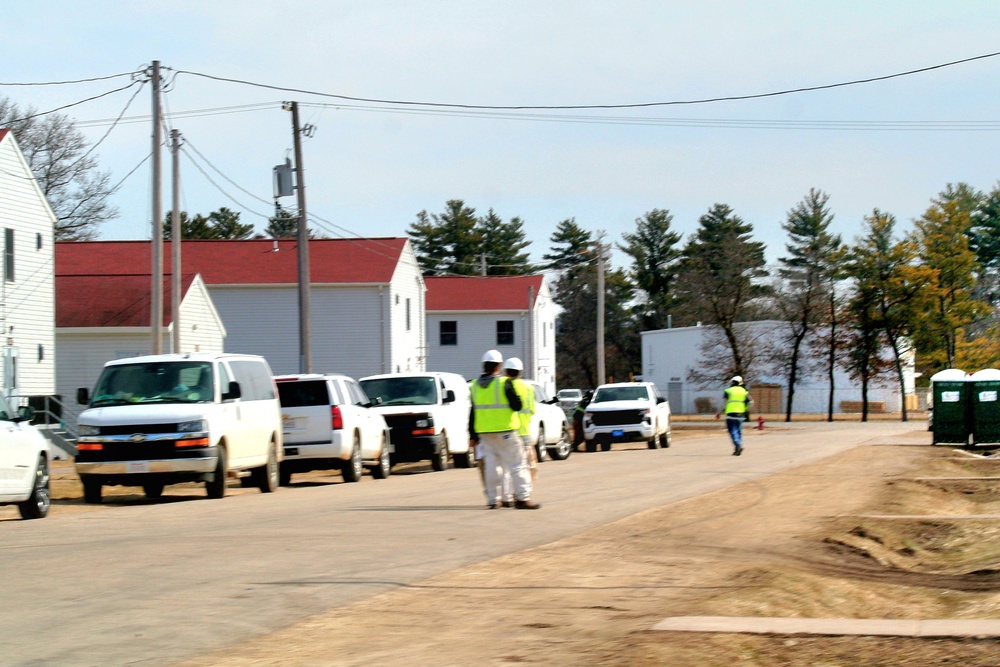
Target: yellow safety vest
x=736 y=399
x=527 y=395
x=492 y=409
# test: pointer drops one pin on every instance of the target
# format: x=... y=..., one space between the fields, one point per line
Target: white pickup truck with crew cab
x=627 y=412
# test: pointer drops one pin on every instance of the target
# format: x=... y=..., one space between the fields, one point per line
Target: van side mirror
x=449 y=396
x=660 y=399
x=83 y=396
x=234 y=391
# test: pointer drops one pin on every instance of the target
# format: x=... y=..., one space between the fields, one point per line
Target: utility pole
x=482 y=264
x=176 y=234
x=305 y=334
x=600 y=309
x=156 y=297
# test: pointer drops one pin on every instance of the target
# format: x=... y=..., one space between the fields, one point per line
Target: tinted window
x=505 y=332
x=402 y=390
x=255 y=380
x=303 y=392
x=155 y=382
x=449 y=332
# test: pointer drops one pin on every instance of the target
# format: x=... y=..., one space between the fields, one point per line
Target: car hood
x=137 y=413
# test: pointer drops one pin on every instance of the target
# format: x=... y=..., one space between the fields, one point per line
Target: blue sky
x=371 y=170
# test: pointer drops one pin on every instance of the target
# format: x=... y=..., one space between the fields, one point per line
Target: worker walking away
x=493 y=425
x=738 y=404
x=513 y=368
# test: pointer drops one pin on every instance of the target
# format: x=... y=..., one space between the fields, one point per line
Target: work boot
x=508 y=503
x=526 y=505
x=737 y=451
x=492 y=506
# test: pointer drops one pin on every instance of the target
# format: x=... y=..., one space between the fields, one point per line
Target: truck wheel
x=605 y=445
x=267 y=474
x=91 y=490
x=563 y=448
x=153 y=490
x=465 y=460
x=382 y=470
x=38 y=503
x=665 y=439
x=353 y=469
x=651 y=443
x=216 y=488
x=591 y=445
x=541 y=451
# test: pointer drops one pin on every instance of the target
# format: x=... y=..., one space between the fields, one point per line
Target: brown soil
x=793 y=544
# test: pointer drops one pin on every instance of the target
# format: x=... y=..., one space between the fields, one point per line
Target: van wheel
x=440 y=459
x=153 y=490
x=91 y=490
x=267 y=474
x=353 y=469
x=382 y=470
x=38 y=503
x=216 y=488
x=465 y=460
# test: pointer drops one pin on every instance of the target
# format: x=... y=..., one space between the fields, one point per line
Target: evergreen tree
x=654 y=264
x=226 y=224
x=449 y=243
x=502 y=243
x=572 y=247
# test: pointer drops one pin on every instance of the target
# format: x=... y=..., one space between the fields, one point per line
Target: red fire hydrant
x=760 y=422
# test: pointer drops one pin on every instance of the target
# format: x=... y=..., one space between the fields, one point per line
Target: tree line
x=863 y=306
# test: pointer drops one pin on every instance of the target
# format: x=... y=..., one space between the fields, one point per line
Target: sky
x=371 y=167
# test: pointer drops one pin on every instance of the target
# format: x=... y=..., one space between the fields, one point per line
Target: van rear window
x=303 y=393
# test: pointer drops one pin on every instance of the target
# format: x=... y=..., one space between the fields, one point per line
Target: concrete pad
x=975 y=627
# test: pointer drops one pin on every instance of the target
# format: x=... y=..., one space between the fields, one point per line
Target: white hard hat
x=738 y=379
x=492 y=355
x=513 y=364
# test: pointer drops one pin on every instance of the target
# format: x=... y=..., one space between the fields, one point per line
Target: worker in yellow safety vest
x=514 y=368
x=493 y=426
x=738 y=402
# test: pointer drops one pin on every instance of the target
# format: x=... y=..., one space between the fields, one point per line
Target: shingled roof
x=476 y=293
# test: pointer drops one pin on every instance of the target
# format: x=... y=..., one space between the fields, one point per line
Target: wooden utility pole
x=305 y=334
x=156 y=296
x=175 y=243
x=600 y=310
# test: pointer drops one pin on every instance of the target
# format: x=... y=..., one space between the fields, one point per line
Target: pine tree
x=655 y=257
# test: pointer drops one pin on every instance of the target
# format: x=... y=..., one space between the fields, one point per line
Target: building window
x=407 y=314
x=38 y=241
x=8 y=255
x=449 y=332
x=544 y=336
x=505 y=332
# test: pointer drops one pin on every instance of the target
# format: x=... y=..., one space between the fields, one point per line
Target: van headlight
x=87 y=430
x=425 y=423
x=193 y=426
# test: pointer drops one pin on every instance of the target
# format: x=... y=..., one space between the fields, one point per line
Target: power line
x=63 y=83
x=110 y=129
x=187 y=142
x=636 y=105
x=73 y=104
x=193 y=113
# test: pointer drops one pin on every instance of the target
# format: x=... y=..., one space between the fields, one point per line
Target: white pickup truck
x=627 y=412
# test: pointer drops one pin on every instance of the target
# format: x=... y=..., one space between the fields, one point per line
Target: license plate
x=617 y=433
x=136 y=466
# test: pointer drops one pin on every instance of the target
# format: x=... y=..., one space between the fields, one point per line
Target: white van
x=171 y=418
x=427 y=414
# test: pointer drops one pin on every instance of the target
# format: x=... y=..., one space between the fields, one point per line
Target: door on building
x=11 y=388
x=675 y=396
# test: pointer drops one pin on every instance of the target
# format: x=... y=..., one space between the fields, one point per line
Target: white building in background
x=100 y=318
x=366 y=297
x=670 y=355
x=467 y=315
x=27 y=292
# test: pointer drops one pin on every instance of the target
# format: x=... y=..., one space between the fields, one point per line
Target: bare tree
x=68 y=175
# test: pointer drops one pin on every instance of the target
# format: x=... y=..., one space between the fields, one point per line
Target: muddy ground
x=793 y=544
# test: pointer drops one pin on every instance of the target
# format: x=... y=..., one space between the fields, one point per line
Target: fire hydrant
x=760 y=422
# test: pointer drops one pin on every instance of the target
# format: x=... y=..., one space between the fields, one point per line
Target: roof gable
x=110 y=301
x=244 y=262
x=453 y=293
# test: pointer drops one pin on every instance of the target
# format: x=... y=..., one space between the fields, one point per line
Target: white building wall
x=477 y=332
x=201 y=328
x=27 y=304
x=407 y=336
x=543 y=363
x=669 y=354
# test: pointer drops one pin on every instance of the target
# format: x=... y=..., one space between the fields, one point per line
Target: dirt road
x=786 y=545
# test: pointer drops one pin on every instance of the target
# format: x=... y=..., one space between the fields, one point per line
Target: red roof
x=247 y=262
x=3 y=133
x=482 y=292
x=110 y=301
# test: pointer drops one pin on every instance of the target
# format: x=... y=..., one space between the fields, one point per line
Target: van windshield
x=155 y=382
x=402 y=390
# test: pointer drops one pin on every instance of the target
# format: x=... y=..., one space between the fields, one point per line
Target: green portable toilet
x=950 y=415
x=984 y=394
